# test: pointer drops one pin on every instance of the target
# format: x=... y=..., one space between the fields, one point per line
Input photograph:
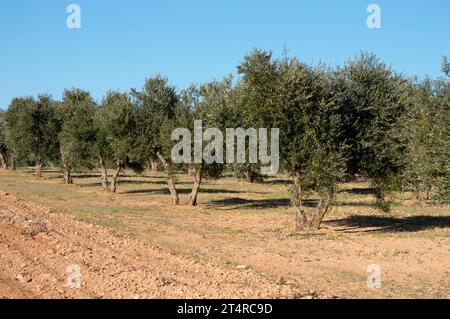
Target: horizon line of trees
x=361 y=119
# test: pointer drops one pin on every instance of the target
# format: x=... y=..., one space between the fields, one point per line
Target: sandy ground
x=37 y=246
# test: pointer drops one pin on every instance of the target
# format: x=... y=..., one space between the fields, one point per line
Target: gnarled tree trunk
x=104 y=178
x=197 y=181
x=170 y=180
x=305 y=221
x=38 y=168
x=67 y=176
x=319 y=213
x=173 y=191
x=119 y=167
x=301 y=220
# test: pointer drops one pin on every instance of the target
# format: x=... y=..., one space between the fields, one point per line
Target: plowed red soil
x=37 y=246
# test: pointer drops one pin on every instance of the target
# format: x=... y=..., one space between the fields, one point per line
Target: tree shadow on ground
x=358 y=191
x=242 y=203
x=94 y=184
x=81 y=176
x=129 y=182
x=165 y=191
x=357 y=223
x=135 y=182
x=95 y=175
x=141 y=191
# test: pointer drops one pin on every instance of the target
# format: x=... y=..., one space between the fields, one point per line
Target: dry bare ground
x=37 y=245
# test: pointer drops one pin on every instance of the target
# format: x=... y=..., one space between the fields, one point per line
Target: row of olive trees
x=362 y=119
x=123 y=131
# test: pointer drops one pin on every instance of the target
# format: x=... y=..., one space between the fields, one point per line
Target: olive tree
x=116 y=125
x=32 y=128
x=156 y=106
x=311 y=148
x=377 y=103
x=185 y=142
x=206 y=104
x=13 y=132
x=426 y=132
x=299 y=101
x=252 y=102
x=77 y=136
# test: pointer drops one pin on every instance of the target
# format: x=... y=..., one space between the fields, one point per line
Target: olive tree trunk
x=304 y=220
x=197 y=181
x=104 y=178
x=67 y=176
x=319 y=212
x=119 y=167
x=170 y=180
x=38 y=168
x=173 y=191
x=381 y=201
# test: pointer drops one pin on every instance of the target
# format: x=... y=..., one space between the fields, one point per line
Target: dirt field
x=36 y=247
x=239 y=242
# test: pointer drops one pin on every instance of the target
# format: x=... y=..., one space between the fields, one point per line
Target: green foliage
x=299 y=100
x=310 y=144
x=3 y=144
x=208 y=103
x=254 y=102
x=77 y=136
x=426 y=130
x=377 y=103
x=32 y=128
x=362 y=119
x=213 y=110
x=289 y=95
x=14 y=132
x=116 y=125
x=156 y=107
x=2 y=131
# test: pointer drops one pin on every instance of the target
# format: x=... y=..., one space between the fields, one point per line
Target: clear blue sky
x=123 y=42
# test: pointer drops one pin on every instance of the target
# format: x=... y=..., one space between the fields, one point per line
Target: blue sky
x=121 y=43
